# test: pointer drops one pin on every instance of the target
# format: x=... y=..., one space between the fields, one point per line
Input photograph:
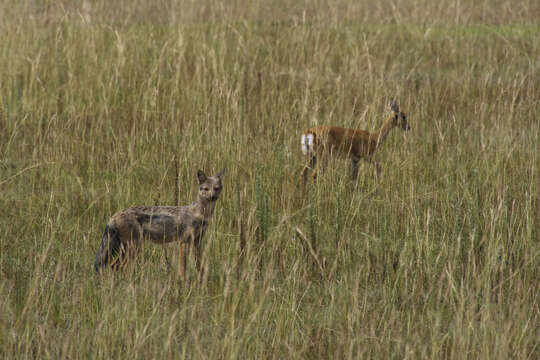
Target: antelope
x=348 y=143
x=128 y=228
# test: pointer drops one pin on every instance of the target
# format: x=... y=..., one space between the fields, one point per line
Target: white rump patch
x=307 y=143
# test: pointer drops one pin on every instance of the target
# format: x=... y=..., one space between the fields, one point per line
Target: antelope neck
x=380 y=136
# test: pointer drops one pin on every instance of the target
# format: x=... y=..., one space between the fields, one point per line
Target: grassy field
x=101 y=105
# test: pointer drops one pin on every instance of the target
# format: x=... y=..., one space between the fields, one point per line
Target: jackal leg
x=127 y=253
x=182 y=259
x=121 y=258
x=198 y=253
x=167 y=262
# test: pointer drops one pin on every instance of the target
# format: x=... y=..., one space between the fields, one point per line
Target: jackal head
x=400 y=119
x=209 y=187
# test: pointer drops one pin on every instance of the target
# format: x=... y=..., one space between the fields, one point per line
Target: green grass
x=439 y=259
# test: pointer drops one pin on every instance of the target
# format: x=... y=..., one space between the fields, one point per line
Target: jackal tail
x=111 y=246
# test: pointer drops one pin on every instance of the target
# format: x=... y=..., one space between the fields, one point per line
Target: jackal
x=128 y=228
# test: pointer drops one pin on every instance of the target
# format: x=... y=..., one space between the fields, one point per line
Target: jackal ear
x=220 y=174
x=201 y=176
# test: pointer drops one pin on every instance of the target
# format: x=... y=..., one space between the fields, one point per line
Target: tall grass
x=438 y=259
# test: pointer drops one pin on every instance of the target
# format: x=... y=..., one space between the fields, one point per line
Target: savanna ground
x=104 y=106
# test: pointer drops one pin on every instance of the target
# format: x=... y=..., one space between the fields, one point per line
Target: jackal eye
x=217 y=188
x=204 y=188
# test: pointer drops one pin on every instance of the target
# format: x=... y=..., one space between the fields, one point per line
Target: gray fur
x=128 y=228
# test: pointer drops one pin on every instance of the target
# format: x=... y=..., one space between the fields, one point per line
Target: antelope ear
x=220 y=174
x=201 y=176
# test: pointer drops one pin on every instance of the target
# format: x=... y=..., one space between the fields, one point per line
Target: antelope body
x=348 y=143
x=128 y=228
